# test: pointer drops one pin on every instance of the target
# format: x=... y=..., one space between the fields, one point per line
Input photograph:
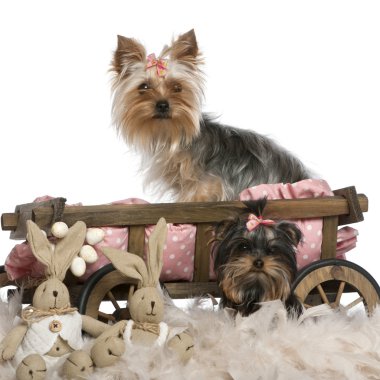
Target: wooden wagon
x=324 y=281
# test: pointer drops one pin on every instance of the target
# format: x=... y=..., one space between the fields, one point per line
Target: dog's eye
x=143 y=87
x=177 y=88
x=243 y=247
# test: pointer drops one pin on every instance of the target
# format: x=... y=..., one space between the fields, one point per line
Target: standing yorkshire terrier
x=255 y=261
x=157 y=109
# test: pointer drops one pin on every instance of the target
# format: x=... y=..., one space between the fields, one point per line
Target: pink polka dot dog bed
x=180 y=245
x=309 y=249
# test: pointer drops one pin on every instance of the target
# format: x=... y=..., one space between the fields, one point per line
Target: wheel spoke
x=353 y=303
x=323 y=294
x=113 y=300
x=106 y=316
x=339 y=293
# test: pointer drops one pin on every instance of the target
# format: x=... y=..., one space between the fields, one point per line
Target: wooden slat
x=355 y=213
x=9 y=221
x=202 y=253
x=191 y=289
x=200 y=212
x=329 y=235
x=4 y=281
x=136 y=240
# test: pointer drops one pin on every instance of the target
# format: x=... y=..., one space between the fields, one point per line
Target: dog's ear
x=128 y=52
x=223 y=227
x=292 y=231
x=185 y=48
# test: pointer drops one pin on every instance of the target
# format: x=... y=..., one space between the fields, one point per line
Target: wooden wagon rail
x=344 y=208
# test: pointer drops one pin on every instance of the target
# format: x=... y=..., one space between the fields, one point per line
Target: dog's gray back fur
x=243 y=158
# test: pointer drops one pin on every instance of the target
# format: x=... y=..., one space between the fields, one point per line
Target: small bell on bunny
x=146 y=306
x=51 y=330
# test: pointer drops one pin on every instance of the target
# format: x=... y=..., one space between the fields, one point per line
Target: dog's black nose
x=162 y=107
x=258 y=263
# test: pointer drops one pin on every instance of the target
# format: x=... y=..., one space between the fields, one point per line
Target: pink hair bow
x=254 y=222
x=161 y=64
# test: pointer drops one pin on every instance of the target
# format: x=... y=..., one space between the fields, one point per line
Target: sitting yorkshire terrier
x=157 y=109
x=254 y=261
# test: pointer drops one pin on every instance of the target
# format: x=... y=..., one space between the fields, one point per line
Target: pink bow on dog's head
x=161 y=64
x=254 y=222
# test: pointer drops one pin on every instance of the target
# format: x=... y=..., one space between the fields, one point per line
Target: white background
x=306 y=73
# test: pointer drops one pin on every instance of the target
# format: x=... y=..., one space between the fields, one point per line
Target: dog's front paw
x=183 y=345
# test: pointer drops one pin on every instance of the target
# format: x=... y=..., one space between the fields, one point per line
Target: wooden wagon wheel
x=106 y=284
x=3 y=276
x=7 y=287
x=325 y=281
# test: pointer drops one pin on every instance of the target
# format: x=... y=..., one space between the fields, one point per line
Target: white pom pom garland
x=59 y=229
x=88 y=254
x=78 y=267
x=94 y=235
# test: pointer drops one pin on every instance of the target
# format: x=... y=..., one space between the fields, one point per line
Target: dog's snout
x=55 y=293
x=162 y=107
x=258 y=263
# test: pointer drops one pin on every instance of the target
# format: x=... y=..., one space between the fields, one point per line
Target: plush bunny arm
x=93 y=326
x=12 y=340
x=156 y=245
x=115 y=331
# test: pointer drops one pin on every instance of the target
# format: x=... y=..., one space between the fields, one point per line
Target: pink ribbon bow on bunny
x=254 y=222
x=161 y=64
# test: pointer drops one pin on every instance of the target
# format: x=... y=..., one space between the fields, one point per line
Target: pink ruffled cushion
x=309 y=250
x=21 y=263
x=178 y=252
x=180 y=246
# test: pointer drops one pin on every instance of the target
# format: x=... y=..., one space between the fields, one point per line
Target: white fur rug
x=267 y=345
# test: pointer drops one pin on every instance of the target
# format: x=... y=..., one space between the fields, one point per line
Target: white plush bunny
x=146 y=305
x=51 y=328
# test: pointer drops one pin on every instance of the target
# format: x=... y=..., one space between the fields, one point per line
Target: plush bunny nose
x=55 y=293
x=152 y=304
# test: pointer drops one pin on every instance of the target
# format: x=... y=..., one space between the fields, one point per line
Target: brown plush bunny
x=146 y=305
x=51 y=328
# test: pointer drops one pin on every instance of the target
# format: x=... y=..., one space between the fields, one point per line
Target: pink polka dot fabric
x=178 y=251
x=180 y=244
x=309 y=250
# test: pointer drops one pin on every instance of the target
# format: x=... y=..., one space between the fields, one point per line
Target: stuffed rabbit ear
x=40 y=246
x=129 y=264
x=156 y=248
x=67 y=248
